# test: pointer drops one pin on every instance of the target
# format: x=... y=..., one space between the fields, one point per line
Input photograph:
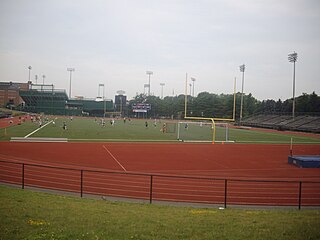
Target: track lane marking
x=114 y=158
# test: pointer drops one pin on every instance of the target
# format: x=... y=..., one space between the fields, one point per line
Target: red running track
x=7 y=122
x=237 y=174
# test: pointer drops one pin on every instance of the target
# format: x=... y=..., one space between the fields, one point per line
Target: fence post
x=22 y=180
x=151 y=183
x=81 y=184
x=300 y=188
x=225 y=192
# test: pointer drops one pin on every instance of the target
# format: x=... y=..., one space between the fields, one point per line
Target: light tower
x=70 y=70
x=43 y=77
x=162 y=84
x=149 y=73
x=103 y=98
x=242 y=68
x=193 y=80
x=29 y=71
x=292 y=57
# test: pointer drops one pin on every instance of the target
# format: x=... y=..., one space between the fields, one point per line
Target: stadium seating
x=303 y=123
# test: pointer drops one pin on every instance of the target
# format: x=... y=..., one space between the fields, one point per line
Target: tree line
x=207 y=104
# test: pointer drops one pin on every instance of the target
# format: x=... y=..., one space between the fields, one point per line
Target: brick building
x=9 y=93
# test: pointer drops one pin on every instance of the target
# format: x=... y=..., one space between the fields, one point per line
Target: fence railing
x=161 y=187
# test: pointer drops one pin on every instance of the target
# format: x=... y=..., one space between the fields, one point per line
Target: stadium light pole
x=149 y=73
x=29 y=71
x=242 y=69
x=36 y=78
x=70 y=70
x=193 y=80
x=103 y=97
x=162 y=84
x=292 y=57
x=43 y=77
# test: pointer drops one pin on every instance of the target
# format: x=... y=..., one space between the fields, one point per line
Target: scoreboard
x=141 y=107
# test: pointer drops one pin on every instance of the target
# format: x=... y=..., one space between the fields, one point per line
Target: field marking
x=37 y=129
x=114 y=158
x=119 y=140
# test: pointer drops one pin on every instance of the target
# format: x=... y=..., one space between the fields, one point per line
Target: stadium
x=159 y=120
x=236 y=159
x=85 y=147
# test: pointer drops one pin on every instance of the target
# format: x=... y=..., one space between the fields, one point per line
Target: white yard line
x=37 y=129
x=114 y=158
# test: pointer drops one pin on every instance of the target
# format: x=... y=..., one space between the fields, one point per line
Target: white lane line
x=37 y=129
x=114 y=158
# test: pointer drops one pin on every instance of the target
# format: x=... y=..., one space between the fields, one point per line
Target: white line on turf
x=114 y=158
x=37 y=129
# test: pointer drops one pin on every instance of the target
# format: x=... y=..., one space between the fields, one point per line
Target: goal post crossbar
x=213 y=138
x=210 y=119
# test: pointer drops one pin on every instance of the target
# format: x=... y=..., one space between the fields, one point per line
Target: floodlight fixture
x=99 y=86
x=43 y=77
x=29 y=71
x=70 y=70
x=103 y=98
x=36 y=78
x=242 y=68
x=292 y=57
x=149 y=73
x=162 y=84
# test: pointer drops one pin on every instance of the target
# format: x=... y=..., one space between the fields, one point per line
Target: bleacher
x=48 y=101
x=303 y=123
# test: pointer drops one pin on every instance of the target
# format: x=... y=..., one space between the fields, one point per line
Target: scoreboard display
x=141 y=107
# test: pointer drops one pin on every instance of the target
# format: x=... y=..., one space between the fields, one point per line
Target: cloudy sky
x=116 y=41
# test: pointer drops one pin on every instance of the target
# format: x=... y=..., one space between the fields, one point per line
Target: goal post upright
x=202 y=131
x=210 y=119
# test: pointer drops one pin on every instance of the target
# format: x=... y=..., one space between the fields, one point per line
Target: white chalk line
x=37 y=129
x=114 y=158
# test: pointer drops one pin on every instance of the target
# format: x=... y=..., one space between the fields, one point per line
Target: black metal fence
x=160 y=187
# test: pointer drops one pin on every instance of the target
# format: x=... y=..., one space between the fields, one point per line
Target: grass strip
x=33 y=215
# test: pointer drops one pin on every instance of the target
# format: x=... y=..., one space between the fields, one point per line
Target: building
x=120 y=104
x=45 y=98
x=9 y=94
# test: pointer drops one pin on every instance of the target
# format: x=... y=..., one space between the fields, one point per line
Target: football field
x=135 y=130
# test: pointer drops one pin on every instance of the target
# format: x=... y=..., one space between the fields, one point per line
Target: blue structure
x=305 y=161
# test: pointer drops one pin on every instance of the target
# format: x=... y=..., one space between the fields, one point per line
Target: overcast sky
x=116 y=42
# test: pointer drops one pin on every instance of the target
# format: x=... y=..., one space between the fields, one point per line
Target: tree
x=221 y=106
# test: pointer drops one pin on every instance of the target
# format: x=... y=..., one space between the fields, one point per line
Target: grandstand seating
x=46 y=101
x=284 y=122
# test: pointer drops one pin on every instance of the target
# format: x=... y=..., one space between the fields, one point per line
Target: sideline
x=37 y=129
x=114 y=158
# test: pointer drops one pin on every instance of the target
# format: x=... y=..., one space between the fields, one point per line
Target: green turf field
x=89 y=129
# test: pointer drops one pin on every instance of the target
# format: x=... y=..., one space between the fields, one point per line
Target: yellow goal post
x=210 y=119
